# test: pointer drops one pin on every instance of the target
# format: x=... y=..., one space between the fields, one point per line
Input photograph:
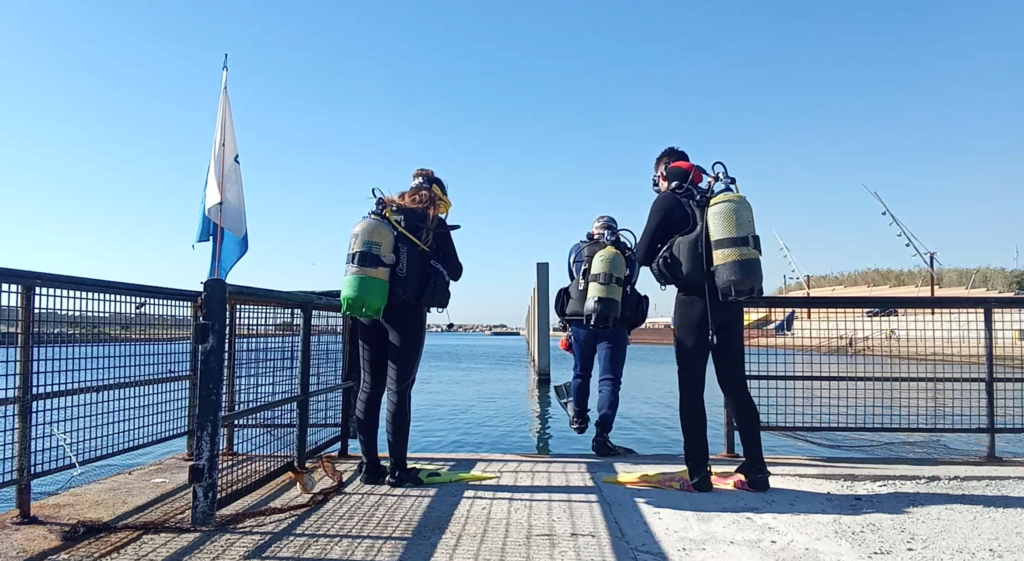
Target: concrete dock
x=559 y=508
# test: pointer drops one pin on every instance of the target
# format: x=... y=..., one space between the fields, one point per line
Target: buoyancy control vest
x=419 y=276
x=721 y=252
x=682 y=262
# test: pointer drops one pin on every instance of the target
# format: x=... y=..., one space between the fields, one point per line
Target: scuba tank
x=601 y=295
x=604 y=288
x=735 y=245
x=364 y=290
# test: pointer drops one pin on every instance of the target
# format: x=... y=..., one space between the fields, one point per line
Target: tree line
x=991 y=278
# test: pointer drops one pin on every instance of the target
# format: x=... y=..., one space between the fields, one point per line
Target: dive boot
x=603 y=447
x=404 y=477
x=756 y=475
x=579 y=421
x=371 y=474
x=702 y=483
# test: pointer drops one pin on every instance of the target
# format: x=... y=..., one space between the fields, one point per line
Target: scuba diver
x=401 y=262
x=599 y=307
x=673 y=245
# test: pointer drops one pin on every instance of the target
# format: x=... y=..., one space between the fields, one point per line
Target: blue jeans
x=608 y=346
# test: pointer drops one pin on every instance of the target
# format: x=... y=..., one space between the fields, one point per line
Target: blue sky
x=539 y=115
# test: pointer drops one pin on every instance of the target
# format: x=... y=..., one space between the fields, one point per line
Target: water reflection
x=540 y=401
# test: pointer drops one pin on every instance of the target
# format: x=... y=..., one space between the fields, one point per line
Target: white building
x=658 y=323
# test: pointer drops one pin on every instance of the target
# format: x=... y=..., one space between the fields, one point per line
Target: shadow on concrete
x=630 y=534
x=273 y=494
x=378 y=521
x=492 y=520
x=167 y=506
x=789 y=501
x=170 y=507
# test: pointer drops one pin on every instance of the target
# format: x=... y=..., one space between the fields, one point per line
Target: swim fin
x=564 y=394
x=438 y=477
x=673 y=481
x=677 y=480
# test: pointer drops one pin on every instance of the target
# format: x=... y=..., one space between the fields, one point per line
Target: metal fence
x=252 y=380
x=886 y=364
x=91 y=370
x=257 y=382
x=274 y=359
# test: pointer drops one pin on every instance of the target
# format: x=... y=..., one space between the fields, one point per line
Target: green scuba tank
x=604 y=289
x=735 y=247
x=364 y=290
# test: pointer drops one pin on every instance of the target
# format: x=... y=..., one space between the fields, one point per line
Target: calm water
x=475 y=394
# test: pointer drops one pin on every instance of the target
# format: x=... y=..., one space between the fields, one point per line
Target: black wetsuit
x=668 y=218
x=389 y=351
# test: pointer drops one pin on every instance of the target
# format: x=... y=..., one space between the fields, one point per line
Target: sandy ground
x=558 y=508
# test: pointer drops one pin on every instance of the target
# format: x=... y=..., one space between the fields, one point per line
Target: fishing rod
x=793 y=265
x=913 y=242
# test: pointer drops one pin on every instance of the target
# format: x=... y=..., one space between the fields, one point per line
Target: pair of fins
x=434 y=475
x=677 y=480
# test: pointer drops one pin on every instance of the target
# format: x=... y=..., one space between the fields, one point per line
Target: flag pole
x=220 y=182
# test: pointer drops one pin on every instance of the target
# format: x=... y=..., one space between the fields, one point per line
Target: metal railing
x=275 y=360
x=257 y=381
x=91 y=370
x=252 y=380
x=886 y=364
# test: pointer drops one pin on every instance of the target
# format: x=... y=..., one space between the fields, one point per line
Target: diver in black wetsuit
x=390 y=348
x=671 y=215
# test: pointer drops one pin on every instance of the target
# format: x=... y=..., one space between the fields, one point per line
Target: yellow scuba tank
x=364 y=290
x=735 y=245
x=604 y=289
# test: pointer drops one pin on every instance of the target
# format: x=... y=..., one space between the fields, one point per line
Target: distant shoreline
x=10 y=338
x=946 y=351
x=938 y=350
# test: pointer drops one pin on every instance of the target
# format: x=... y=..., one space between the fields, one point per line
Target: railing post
x=23 y=453
x=210 y=335
x=193 y=384
x=990 y=387
x=532 y=329
x=349 y=373
x=543 y=324
x=230 y=391
x=302 y=405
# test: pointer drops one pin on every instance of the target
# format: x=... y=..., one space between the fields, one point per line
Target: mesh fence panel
x=260 y=384
x=263 y=392
x=110 y=375
x=110 y=372
x=1008 y=350
x=327 y=353
x=866 y=369
x=10 y=301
